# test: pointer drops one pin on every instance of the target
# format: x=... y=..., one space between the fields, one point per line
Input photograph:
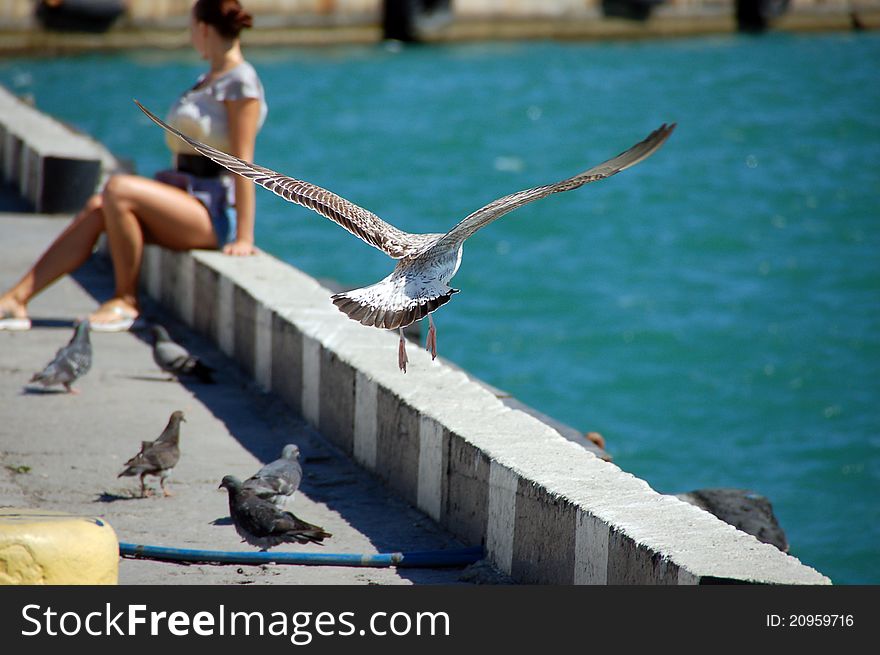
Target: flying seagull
x=419 y=283
x=277 y=481
x=173 y=358
x=157 y=457
x=71 y=362
x=259 y=523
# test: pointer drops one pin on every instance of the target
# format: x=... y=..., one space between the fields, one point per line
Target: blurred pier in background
x=49 y=26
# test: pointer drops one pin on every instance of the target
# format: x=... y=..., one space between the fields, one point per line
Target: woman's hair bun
x=240 y=18
x=228 y=17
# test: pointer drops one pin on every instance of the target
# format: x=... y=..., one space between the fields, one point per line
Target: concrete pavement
x=62 y=452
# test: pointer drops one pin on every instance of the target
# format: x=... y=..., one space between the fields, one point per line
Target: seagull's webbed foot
x=402 y=359
x=165 y=492
x=431 y=342
x=70 y=389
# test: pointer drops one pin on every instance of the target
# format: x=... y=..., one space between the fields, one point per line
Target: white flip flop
x=13 y=323
x=126 y=321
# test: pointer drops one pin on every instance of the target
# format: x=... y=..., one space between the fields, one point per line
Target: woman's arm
x=244 y=117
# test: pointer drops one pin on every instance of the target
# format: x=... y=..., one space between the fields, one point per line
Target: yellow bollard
x=53 y=548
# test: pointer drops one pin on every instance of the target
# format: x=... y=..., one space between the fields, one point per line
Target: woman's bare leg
x=67 y=253
x=139 y=210
x=133 y=210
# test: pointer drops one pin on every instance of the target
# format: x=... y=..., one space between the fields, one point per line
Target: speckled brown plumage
x=426 y=262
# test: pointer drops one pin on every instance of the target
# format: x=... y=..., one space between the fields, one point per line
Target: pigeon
x=259 y=523
x=426 y=263
x=277 y=481
x=71 y=362
x=157 y=457
x=173 y=358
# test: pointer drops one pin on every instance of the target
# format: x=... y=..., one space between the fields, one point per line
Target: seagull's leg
x=402 y=359
x=144 y=493
x=69 y=388
x=431 y=342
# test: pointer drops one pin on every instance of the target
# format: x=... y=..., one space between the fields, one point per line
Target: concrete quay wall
x=36 y=148
x=546 y=510
x=163 y=23
x=167 y=13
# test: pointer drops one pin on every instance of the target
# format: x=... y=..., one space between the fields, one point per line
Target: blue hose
x=425 y=559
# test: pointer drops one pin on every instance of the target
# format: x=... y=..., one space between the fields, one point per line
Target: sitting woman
x=181 y=209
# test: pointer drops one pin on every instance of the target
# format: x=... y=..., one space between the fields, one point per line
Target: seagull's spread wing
x=360 y=222
x=498 y=208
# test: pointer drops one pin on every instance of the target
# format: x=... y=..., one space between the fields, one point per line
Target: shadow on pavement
x=263 y=424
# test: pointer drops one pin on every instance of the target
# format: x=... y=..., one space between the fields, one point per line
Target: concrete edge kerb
x=36 y=148
x=547 y=510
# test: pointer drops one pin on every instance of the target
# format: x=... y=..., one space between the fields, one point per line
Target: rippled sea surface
x=714 y=312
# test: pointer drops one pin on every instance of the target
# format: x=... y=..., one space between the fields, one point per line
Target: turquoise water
x=713 y=312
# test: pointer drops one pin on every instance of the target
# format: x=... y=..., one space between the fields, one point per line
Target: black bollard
x=79 y=15
x=404 y=20
x=755 y=15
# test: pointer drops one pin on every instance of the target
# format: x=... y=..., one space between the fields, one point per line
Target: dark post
x=397 y=20
x=405 y=20
x=755 y=15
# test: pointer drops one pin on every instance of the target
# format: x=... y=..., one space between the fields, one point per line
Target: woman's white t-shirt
x=200 y=113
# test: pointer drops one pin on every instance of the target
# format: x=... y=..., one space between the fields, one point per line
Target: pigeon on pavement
x=157 y=457
x=259 y=523
x=71 y=362
x=175 y=359
x=277 y=481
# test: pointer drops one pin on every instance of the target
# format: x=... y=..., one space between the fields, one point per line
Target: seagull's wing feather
x=357 y=220
x=496 y=209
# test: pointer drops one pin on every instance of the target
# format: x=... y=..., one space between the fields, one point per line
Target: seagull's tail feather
x=382 y=305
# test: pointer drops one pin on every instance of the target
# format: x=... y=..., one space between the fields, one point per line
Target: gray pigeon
x=277 y=481
x=259 y=523
x=71 y=362
x=157 y=457
x=175 y=359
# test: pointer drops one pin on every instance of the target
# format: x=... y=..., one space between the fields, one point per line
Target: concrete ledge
x=546 y=509
x=515 y=22
x=54 y=168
